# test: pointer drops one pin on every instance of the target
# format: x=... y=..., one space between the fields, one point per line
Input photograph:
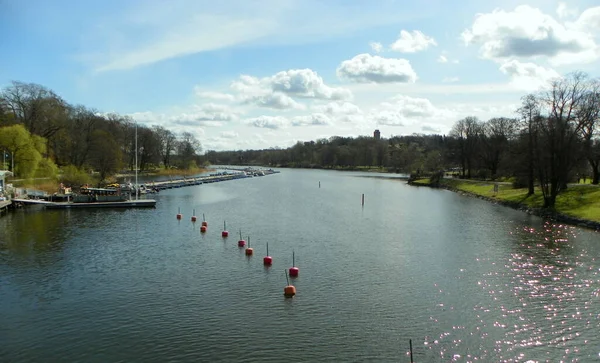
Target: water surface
x=465 y=279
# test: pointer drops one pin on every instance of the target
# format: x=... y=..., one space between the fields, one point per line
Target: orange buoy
x=204 y=222
x=294 y=270
x=267 y=260
x=179 y=214
x=224 y=233
x=289 y=290
x=249 y=250
x=241 y=242
x=203 y=229
x=194 y=216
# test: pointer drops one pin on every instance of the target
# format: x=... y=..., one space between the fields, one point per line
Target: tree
x=39 y=109
x=495 y=137
x=557 y=140
x=105 y=156
x=467 y=131
x=187 y=149
x=588 y=113
x=26 y=149
x=529 y=112
x=167 y=142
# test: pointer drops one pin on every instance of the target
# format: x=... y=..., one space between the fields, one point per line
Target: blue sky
x=253 y=74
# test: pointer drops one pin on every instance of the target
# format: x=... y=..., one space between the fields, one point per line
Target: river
x=465 y=279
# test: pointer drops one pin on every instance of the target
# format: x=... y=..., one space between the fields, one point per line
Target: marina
x=227 y=174
x=125 y=198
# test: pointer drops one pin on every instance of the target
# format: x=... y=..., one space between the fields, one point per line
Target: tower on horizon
x=377 y=135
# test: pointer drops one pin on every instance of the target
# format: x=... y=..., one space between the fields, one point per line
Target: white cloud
x=365 y=68
x=412 y=42
x=306 y=83
x=316 y=119
x=339 y=108
x=564 y=11
x=275 y=100
x=450 y=79
x=376 y=47
x=269 y=122
x=589 y=21
x=196 y=33
x=528 y=76
x=229 y=135
x=442 y=59
x=404 y=110
x=276 y=91
x=209 y=114
x=526 y=32
x=211 y=95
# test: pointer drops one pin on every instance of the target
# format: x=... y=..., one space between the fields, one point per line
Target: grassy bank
x=578 y=204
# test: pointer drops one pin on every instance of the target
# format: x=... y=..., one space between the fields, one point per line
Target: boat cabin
x=92 y=195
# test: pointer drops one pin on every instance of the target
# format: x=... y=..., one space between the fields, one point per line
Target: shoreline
x=539 y=212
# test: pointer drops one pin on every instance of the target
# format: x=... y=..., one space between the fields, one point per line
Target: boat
x=94 y=195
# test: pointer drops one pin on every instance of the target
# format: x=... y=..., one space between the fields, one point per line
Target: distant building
x=377 y=135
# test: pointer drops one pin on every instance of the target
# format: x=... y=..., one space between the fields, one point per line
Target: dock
x=140 y=203
x=213 y=178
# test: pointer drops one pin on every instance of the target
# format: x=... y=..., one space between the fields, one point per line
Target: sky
x=254 y=74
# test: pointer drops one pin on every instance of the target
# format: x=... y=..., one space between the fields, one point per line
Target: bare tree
x=187 y=149
x=529 y=111
x=167 y=142
x=557 y=140
x=495 y=138
x=588 y=114
x=38 y=108
x=467 y=133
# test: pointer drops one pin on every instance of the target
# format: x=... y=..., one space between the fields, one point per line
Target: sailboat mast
x=136 y=164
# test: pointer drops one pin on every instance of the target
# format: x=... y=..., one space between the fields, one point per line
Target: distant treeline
x=553 y=141
x=40 y=134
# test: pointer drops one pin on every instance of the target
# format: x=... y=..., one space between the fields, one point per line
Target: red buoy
x=204 y=222
x=179 y=213
x=194 y=216
x=203 y=229
x=267 y=260
x=289 y=290
x=224 y=233
x=241 y=242
x=294 y=270
x=249 y=250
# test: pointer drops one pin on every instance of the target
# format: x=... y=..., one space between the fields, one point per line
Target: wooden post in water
x=410 y=347
x=363 y=200
x=319 y=183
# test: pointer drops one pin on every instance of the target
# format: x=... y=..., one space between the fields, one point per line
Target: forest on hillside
x=552 y=141
x=42 y=135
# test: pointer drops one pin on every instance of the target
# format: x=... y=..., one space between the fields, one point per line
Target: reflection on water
x=466 y=280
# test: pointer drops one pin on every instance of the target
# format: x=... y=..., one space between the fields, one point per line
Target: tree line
x=41 y=135
x=552 y=140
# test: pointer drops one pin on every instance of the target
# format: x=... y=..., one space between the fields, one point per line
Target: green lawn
x=580 y=201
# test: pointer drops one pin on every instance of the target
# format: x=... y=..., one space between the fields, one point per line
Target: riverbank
x=578 y=205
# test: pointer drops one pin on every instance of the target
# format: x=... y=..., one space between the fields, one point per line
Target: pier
x=140 y=203
x=213 y=178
